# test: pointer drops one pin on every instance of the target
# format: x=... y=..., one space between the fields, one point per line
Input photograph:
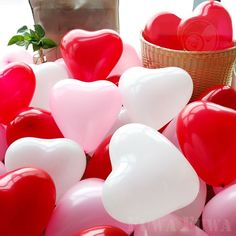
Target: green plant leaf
x=22 y=29
x=15 y=39
x=36 y=47
x=20 y=43
x=39 y=31
x=47 y=43
x=27 y=36
x=27 y=43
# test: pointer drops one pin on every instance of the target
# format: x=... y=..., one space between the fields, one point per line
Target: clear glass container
x=60 y=16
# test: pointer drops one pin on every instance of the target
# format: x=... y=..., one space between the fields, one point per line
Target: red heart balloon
x=207 y=137
x=162 y=31
x=211 y=29
x=102 y=231
x=27 y=199
x=32 y=122
x=17 y=85
x=99 y=166
x=91 y=56
x=221 y=95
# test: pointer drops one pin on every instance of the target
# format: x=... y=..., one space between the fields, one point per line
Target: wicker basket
x=207 y=69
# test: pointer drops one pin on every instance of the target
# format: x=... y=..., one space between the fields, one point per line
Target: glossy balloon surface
x=207 y=136
x=157 y=32
x=91 y=56
x=17 y=85
x=210 y=28
x=147 y=171
x=33 y=122
x=27 y=199
x=221 y=95
x=102 y=231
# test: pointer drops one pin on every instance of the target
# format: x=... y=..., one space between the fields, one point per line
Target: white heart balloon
x=150 y=177
x=155 y=96
x=47 y=75
x=63 y=159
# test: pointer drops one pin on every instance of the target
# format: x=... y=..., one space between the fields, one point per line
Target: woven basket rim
x=185 y=51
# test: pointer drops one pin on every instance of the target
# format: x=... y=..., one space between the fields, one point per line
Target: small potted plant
x=26 y=37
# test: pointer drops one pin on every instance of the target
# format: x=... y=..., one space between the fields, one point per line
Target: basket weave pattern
x=207 y=69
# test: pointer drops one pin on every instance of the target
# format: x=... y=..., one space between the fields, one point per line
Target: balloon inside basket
x=102 y=142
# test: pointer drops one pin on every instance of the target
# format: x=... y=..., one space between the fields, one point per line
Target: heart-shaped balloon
x=2 y=169
x=47 y=75
x=91 y=56
x=219 y=216
x=209 y=29
x=32 y=122
x=157 y=32
x=207 y=136
x=170 y=225
x=155 y=96
x=193 y=211
x=3 y=142
x=128 y=59
x=81 y=208
x=102 y=231
x=221 y=95
x=99 y=166
x=63 y=159
x=27 y=199
x=147 y=171
x=15 y=54
x=85 y=112
x=17 y=85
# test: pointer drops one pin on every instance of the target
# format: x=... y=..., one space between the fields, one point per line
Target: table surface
x=133 y=15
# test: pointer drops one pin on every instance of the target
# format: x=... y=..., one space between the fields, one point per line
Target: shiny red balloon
x=210 y=30
x=207 y=137
x=99 y=166
x=102 y=231
x=32 y=122
x=222 y=95
x=162 y=31
x=17 y=85
x=91 y=56
x=27 y=199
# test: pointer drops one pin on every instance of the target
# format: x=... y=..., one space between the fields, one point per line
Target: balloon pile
x=209 y=29
x=83 y=155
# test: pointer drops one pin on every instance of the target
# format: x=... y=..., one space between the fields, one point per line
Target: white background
x=133 y=15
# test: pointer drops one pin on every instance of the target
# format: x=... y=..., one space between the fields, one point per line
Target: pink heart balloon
x=85 y=112
x=128 y=59
x=219 y=216
x=3 y=142
x=170 y=225
x=15 y=54
x=81 y=208
x=2 y=169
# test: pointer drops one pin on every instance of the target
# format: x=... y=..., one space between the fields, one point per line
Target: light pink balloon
x=170 y=225
x=15 y=54
x=170 y=133
x=2 y=169
x=3 y=142
x=80 y=208
x=219 y=189
x=193 y=211
x=85 y=112
x=219 y=215
x=129 y=58
x=62 y=63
